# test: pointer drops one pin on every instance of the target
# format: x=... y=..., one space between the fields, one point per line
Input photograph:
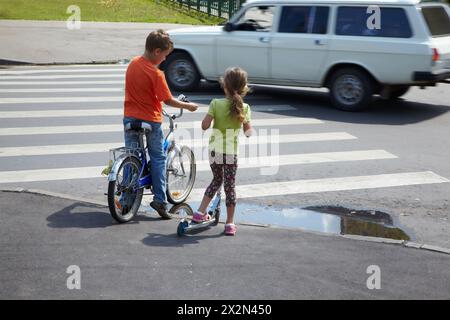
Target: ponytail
x=237 y=107
x=235 y=85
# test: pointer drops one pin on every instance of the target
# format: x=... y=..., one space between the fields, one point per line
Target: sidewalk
x=47 y=42
x=42 y=236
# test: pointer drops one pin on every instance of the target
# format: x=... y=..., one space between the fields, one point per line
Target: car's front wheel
x=351 y=89
x=181 y=72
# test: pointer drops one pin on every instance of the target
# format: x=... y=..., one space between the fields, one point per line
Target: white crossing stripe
x=116 y=112
x=305 y=158
x=61 y=99
x=330 y=184
x=248 y=191
x=82 y=65
x=50 y=174
x=19 y=131
x=59 y=90
x=119 y=98
x=256 y=162
x=61 y=83
x=193 y=143
x=68 y=76
x=34 y=71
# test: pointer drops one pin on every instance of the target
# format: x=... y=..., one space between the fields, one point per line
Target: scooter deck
x=186 y=226
x=198 y=225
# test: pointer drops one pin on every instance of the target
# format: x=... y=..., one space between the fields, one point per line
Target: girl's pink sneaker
x=230 y=229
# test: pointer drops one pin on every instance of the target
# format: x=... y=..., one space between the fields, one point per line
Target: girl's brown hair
x=235 y=84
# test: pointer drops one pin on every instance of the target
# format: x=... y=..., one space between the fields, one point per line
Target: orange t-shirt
x=145 y=89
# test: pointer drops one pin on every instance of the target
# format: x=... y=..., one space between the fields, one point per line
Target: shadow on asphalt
x=173 y=240
x=86 y=216
x=314 y=104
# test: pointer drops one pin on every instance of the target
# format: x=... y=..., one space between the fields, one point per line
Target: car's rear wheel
x=181 y=72
x=351 y=89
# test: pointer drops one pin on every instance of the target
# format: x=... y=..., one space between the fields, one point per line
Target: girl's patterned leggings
x=224 y=169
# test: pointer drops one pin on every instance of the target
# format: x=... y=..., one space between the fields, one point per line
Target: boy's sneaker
x=230 y=229
x=161 y=209
x=199 y=217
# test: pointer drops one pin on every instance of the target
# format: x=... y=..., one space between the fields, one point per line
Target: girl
x=229 y=115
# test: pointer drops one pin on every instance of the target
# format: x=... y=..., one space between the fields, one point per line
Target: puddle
x=328 y=219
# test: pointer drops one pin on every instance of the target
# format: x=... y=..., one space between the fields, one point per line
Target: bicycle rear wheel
x=124 y=198
x=181 y=173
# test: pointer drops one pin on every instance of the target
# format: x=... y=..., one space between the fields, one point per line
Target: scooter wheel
x=181 y=230
x=217 y=217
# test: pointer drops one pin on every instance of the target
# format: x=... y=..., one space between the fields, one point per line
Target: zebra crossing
x=50 y=94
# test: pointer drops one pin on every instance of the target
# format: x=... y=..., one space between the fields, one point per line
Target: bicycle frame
x=169 y=147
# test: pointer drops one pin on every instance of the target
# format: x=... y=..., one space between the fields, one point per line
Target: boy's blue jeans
x=155 y=142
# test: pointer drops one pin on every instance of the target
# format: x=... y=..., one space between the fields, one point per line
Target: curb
x=403 y=243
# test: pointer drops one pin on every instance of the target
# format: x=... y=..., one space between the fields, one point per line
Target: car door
x=247 y=45
x=300 y=44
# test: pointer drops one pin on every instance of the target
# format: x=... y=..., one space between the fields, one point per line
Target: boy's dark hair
x=158 y=39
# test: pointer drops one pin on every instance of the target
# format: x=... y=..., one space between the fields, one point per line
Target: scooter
x=186 y=226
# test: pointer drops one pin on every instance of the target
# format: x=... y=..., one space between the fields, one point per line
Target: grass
x=104 y=10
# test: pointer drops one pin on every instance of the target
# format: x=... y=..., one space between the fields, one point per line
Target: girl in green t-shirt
x=229 y=115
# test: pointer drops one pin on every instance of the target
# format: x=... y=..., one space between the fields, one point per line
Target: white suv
x=356 y=48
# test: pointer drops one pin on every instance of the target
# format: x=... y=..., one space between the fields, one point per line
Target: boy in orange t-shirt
x=145 y=90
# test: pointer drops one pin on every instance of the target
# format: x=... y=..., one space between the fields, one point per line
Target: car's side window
x=256 y=19
x=295 y=19
x=304 y=19
x=320 y=25
x=353 y=21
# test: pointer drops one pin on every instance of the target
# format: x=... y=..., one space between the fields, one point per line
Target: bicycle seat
x=138 y=125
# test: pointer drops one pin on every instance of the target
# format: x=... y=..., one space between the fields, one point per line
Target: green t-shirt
x=225 y=135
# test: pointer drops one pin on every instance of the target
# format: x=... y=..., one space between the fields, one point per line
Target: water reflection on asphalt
x=328 y=219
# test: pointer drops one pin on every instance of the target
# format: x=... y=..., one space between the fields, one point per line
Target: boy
x=145 y=89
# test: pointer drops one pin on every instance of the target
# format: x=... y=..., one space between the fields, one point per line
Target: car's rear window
x=353 y=21
x=437 y=20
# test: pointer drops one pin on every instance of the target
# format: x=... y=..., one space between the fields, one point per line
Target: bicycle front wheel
x=124 y=198
x=181 y=171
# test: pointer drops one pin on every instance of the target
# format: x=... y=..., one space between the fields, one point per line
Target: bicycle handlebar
x=181 y=97
x=172 y=117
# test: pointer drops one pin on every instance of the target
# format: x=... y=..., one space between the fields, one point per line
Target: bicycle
x=131 y=171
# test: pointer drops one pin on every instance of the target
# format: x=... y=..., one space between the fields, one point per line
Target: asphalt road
x=393 y=157
x=53 y=248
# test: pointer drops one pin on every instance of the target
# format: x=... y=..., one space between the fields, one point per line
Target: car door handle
x=264 y=39
x=320 y=42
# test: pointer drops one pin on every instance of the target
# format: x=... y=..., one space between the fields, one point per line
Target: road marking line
x=50 y=90
x=116 y=112
x=330 y=185
x=305 y=158
x=22 y=72
x=118 y=98
x=52 y=83
x=268 y=161
x=248 y=191
x=54 y=77
x=21 y=131
x=194 y=143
